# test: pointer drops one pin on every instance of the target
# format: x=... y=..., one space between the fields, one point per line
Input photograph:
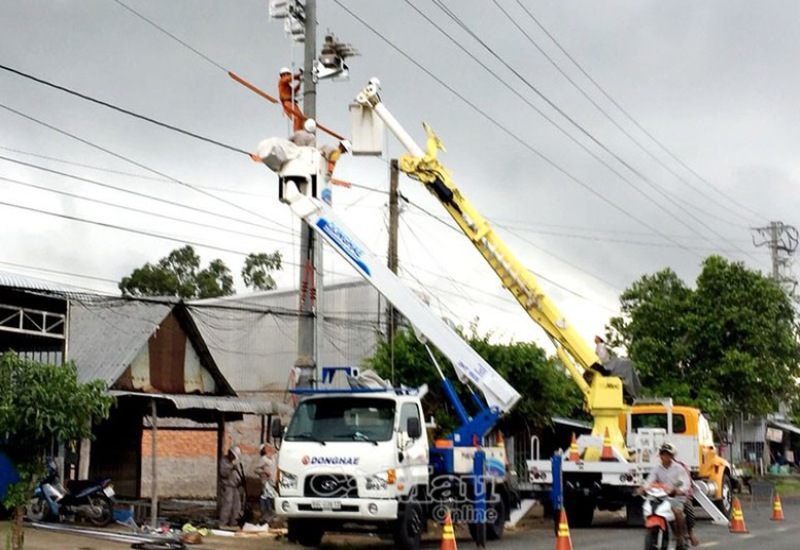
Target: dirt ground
x=37 y=539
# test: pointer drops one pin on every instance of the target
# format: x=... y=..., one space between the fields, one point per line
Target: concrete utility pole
x=782 y=241
x=310 y=247
x=394 y=213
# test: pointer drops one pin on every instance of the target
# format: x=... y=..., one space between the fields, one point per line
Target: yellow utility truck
x=613 y=460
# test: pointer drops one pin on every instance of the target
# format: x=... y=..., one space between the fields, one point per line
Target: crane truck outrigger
x=358 y=458
x=610 y=390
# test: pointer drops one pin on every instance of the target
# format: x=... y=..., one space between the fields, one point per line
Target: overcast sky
x=604 y=140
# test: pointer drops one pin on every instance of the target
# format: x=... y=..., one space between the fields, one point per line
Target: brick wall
x=187 y=464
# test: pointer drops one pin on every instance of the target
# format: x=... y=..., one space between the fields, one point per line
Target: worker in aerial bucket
x=306 y=136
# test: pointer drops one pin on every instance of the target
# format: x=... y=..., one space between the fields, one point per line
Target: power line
x=598 y=107
x=184 y=44
x=126 y=159
x=131 y=174
x=59 y=272
x=505 y=130
x=137 y=210
x=594 y=237
x=282 y=229
x=633 y=120
x=124 y=111
x=580 y=128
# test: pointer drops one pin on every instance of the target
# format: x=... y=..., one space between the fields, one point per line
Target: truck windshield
x=342 y=419
x=658 y=420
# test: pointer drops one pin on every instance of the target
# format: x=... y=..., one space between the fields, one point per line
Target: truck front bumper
x=361 y=509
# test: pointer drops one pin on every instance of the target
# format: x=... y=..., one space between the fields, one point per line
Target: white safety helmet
x=310 y=125
x=375 y=82
x=346 y=145
x=285 y=70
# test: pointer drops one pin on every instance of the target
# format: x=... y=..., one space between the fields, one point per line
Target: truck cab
x=354 y=461
x=649 y=424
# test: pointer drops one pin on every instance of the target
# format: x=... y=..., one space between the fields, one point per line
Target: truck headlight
x=377 y=482
x=287 y=480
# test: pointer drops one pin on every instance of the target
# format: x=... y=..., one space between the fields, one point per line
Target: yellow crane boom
x=603 y=395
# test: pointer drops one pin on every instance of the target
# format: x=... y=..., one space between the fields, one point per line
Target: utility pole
x=782 y=241
x=300 y=24
x=394 y=213
x=310 y=247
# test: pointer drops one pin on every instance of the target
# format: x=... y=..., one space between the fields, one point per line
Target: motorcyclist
x=675 y=476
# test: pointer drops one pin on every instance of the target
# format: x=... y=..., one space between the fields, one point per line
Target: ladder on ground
x=711 y=509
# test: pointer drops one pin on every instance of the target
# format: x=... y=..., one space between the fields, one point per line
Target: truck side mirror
x=276 y=429
x=413 y=427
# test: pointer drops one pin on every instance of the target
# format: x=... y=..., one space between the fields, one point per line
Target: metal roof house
x=156 y=363
x=253 y=337
x=154 y=360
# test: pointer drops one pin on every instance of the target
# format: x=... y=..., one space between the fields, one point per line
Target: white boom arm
x=468 y=364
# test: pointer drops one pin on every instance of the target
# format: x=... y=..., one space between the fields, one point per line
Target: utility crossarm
x=604 y=397
x=470 y=367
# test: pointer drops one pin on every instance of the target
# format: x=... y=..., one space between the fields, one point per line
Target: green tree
x=179 y=274
x=215 y=280
x=545 y=388
x=41 y=403
x=729 y=346
x=257 y=269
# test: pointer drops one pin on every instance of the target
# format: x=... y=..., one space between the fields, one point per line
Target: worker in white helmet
x=288 y=95
x=331 y=154
x=306 y=136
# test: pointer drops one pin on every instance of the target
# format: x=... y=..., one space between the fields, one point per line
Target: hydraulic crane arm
x=470 y=367
x=603 y=394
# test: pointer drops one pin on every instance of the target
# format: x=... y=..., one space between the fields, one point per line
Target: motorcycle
x=659 y=518
x=91 y=500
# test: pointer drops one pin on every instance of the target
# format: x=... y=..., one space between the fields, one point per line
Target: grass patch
x=785 y=485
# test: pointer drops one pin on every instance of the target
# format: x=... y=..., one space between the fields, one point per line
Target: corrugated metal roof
x=15 y=280
x=785 y=426
x=106 y=335
x=213 y=403
x=256 y=349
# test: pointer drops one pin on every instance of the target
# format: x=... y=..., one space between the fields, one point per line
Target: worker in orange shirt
x=287 y=95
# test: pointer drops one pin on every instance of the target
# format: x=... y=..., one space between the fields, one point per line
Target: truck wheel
x=725 y=504
x=408 y=530
x=633 y=512
x=494 y=530
x=580 y=511
x=304 y=533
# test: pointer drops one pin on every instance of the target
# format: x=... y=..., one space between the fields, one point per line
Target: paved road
x=609 y=533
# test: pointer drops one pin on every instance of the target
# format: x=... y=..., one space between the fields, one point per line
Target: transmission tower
x=782 y=241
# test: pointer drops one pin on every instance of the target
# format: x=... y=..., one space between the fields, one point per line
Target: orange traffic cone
x=737 y=519
x=777 y=511
x=448 y=536
x=574 y=455
x=563 y=540
x=607 y=454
